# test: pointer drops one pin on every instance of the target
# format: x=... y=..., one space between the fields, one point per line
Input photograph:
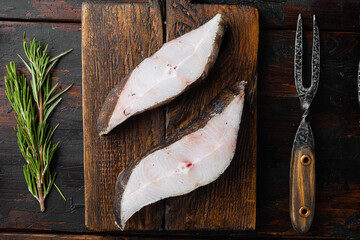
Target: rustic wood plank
x=40 y=236
x=229 y=202
x=115 y=38
x=51 y=10
x=91 y=236
x=148 y=236
x=331 y=14
x=61 y=9
x=19 y=210
x=335 y=123
x=336 y=128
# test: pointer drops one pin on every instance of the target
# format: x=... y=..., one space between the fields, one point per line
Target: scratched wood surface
x=230 y=202
x=335 y=123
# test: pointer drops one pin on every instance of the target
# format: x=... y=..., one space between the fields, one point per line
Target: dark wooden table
x=335 y=122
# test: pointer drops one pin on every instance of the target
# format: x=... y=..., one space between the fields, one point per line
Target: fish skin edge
x=110 y=102
x=225 y=97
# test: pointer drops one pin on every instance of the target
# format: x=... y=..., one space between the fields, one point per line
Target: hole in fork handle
x=304 y=211
x=305 y=160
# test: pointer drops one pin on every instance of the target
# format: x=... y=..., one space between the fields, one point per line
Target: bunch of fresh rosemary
x=33 y=105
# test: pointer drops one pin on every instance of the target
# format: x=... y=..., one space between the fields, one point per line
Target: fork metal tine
x=315 y=66
x=298 y=57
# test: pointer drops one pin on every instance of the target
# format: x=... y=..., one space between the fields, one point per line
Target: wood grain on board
x=115 y=38
x=229 y=202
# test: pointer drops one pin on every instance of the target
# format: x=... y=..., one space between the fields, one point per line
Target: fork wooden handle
x=302 y=188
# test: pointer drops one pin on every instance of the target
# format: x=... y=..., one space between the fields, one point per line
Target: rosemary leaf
x=33 y=102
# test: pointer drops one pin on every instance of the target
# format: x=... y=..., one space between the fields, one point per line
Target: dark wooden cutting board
x=117 y=37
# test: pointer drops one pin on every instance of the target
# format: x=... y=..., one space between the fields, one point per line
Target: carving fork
x=302 y=165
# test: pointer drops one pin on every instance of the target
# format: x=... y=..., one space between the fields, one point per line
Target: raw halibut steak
x=193 y=157
x=163 y=76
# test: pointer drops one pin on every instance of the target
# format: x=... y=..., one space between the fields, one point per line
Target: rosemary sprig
x=33 y=105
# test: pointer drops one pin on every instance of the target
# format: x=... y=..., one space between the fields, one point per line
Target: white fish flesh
x=166 y=74
x=193 y=157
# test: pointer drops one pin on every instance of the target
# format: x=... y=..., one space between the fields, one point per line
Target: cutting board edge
x=88 y=224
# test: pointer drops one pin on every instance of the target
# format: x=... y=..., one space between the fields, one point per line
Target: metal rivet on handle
x=305 y=160
x=304 y=211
